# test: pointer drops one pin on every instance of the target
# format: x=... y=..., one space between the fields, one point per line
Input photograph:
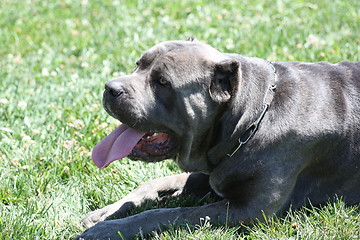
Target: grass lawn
x=55 y=57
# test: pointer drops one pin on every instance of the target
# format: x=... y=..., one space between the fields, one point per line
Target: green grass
x=55 y=57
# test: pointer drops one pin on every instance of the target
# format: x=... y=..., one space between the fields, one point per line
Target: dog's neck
x=251 y=130
x=246 y=128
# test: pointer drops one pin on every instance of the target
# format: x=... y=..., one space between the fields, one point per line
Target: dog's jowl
x=263 y=136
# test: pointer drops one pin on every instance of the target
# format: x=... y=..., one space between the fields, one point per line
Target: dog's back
x=325 y=98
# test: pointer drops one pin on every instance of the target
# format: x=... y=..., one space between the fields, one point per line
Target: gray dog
x=263 y=136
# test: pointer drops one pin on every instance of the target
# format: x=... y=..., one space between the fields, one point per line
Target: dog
x=263 y=136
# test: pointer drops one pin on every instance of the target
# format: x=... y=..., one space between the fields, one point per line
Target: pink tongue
x=116 y=145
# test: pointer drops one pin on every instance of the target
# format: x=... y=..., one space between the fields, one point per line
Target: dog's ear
x=192 y=39
x=224 y=82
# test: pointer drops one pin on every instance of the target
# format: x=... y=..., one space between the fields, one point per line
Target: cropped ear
x=224 y=82
x=192 y=39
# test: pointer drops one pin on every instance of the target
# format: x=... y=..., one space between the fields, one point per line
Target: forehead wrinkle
x=165 y=66
x=152 y=54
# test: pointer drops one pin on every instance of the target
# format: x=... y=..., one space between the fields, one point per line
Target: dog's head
x=169 y=105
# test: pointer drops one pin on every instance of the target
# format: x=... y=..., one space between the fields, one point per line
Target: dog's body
x=300 y=142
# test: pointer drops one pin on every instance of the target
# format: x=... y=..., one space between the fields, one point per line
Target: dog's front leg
x=185 y=183
x=262 y=199
x=154 y=220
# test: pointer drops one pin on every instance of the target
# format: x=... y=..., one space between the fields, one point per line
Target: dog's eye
x=162 y=81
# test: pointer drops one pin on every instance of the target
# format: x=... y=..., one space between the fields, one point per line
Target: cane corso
x=263 y=136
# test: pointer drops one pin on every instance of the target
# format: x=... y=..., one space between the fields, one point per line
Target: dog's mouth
x=125 y=141
x=153 y=146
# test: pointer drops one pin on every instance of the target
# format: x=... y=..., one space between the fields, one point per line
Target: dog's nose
x=114 y=88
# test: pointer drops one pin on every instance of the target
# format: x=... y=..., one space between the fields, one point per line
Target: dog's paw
x=94 y=217
x=107 y=230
